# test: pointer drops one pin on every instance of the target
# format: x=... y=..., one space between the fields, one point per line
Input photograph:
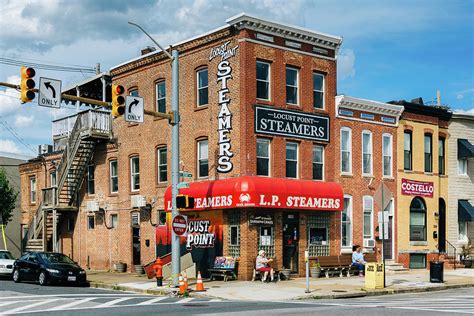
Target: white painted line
x=185 y=300
x=71 y=295
x=434 y=310
x=153 y=300
x=113 y=302
x=9 y=303
x=29 y=306
x=71 y=304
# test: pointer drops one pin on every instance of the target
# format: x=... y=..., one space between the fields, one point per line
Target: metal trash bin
x=436 y=272
x=374 y=275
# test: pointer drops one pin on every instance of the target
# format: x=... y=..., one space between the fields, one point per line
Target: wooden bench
x=224 y=267
x=330 y=265
x=345 y=261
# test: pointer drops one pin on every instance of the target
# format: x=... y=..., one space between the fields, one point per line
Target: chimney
x=418 y=101
x=148 y=49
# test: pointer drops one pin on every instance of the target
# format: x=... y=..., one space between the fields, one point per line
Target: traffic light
x=184 y=201
x=27 y=84
x=118 y=100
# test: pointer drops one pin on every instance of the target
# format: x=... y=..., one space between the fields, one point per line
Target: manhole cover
x=339 y=291
x=195 y=304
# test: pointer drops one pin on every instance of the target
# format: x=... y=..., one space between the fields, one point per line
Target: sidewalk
x=335 y=287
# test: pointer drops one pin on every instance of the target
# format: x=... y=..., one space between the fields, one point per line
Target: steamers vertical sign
x=224 y=119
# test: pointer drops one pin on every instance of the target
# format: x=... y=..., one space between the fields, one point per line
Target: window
x=462 y=167
x=291 y=85
x=203 y=159
x=233 y=234
x=162 y=165
x=368 y=214
x=90 y=179
x=32 y=190
x=462 y=229
x=263 y=80
x=113 y=221
x=387 y=155
x=202 y=87
x=90 y=222
x=161 y=96
x=234 y=239
x=318 y=162
x=407 y=159
x=291 y=160
x=53 y=179
x=441 y=154
x=366 y=153
x=428 y=153
x=346 y=222
x=161 y=218
x=266 y=240
x=113 y=176
x=318 y=91
x=417 y=261
x=417 y=220
x=134 y=93
x=135 y=173
x=346 y=150
x=70 y=224
x=263 y=157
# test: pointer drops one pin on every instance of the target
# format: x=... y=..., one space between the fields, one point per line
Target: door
x=388 y=243
x=136 y=245
x=290 y=241
x=442 y=227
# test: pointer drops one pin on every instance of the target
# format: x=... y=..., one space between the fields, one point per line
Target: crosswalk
x=19 y=304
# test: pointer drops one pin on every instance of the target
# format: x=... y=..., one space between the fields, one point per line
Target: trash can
x=436 y=272
x=374 y=275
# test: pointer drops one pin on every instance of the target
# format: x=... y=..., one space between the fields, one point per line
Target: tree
x=8 y=198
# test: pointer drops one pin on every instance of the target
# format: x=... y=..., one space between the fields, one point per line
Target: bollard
x=306 y=259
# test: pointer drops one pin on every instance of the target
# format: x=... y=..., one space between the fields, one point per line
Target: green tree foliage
x=8 y=197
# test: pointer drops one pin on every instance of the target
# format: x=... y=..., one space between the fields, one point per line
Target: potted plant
x=465 y=256
x=315 y=269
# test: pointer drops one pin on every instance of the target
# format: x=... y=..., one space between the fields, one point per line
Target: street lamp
x=175 y=247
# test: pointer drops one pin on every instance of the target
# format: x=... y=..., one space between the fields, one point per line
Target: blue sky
x=392 y=50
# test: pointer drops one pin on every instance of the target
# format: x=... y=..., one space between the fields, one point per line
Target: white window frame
x=297 y=85
x=370 y=152
x=199 y=158
x=268 y=142
x=462 y=232
x=133 y=174
x=297 y=158
x=113 y=224
x=322 y=91
x=384 y=154
x=349 y=130
x=322 y=162
x=269 y=80
x=161 y=163
x=349 y=215
x=203 y=87
x=364 y=198
x=113 y=176
x=462 y=167
x=53 y=179
x=33 y=190
x=158 y=99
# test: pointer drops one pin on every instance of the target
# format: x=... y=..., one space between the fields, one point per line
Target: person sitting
x=262 y=265
x=358 y=259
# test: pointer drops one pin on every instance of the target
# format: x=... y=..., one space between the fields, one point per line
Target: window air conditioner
x=93 y=206
x=138 y=201
x=369 y=243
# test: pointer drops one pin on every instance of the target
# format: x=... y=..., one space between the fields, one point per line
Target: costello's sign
x=291 y=124
x=412 y=187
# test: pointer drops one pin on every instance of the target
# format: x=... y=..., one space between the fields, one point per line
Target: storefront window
x=233 y=241
x=266 y=240
x=318 y=234
x=417 y=220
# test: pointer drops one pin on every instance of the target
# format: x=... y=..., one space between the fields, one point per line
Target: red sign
x=179 y=225
x=412 y=187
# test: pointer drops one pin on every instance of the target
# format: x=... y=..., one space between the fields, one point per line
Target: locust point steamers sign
x=224 y=119
x=291 y=124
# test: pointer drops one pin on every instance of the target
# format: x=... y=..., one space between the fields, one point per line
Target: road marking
x=69 y=295
x=113 y=302
x=434 y=310
x=29 y=306
x=153 y=300
x=185 y=300
x=9 y=303
x=71 y=304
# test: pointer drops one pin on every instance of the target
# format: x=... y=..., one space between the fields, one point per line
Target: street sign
x=180 y=223
x=49 y=93
x=382 y=196
x=185 y=174
x=183 y=185
x=134 y=109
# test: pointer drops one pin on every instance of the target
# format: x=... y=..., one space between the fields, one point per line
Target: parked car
x=46 y=267
x=6 y=263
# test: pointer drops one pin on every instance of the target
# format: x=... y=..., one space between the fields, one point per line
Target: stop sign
x=179 y=225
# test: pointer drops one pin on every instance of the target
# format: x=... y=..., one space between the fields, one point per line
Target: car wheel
x=43 y=278
x=16 y=276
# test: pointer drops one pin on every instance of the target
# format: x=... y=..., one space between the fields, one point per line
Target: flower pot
x=139 y=269
x=121 y=267
x=315 y=272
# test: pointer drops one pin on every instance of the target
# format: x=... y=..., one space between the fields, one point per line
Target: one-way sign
x=49 y=93
x=134 y=111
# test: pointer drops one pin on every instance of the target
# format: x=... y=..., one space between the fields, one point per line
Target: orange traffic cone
x=185 y=280
x=182 y=289
x=199 y=284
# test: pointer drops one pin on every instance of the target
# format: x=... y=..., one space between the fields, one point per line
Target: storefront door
x=388 y=243
x=290 y=241
x=136 y=245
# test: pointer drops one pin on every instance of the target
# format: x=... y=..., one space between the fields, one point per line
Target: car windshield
x=6 y=255
x=56 y=258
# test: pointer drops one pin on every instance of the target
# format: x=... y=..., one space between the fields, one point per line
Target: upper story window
x=428 y=153
x=53 y=179
x=135 y=173
x=462 y=167
x=441 y=155
x=263 y=80
x=318 y=162
x=387 y=155
x=113 y=221
x=346 y=150
x=162 y=165
x=292 y=85
x=90 y=179
x=291 y=160
x=134 y=93
x=32 y=190
x=366 y=153
x=202 y=87
x=318 y=91
x=368 y=204
x=407 y=151
x=203 y=158
x=263 y=157
x=113 y=176
x=161 y=96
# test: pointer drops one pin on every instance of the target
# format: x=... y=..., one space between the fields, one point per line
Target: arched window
x=417 y=220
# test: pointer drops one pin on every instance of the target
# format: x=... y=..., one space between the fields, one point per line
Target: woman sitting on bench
x=262 y=265
x=358 y=259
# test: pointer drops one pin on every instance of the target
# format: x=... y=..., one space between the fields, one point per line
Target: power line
x=14 y=62
x=18 y=137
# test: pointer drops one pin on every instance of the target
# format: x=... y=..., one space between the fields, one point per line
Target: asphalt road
x=31 y=298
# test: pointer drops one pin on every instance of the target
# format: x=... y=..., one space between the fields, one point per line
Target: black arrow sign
x=49 y=86
x=134 y=102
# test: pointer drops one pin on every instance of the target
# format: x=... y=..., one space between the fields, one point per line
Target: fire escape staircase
x=90 y=127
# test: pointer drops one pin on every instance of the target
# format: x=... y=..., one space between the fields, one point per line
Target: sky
x=392 y=50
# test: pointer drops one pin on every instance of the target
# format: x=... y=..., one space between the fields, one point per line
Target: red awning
x=263 y=192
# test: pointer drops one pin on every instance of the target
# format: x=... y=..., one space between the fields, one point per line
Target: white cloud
x=22 y=121
x=459 y=111
x=10 y=98
x=460 y=95
x=346 y=64
x=9 y=147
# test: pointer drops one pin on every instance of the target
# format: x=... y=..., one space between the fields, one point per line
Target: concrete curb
x=115 y=287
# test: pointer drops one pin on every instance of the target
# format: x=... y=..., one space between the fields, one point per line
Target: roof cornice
x=368 y=106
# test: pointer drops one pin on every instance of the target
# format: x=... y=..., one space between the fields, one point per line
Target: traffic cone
x=185 y=280
x=182 y=289
x=199 y=284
